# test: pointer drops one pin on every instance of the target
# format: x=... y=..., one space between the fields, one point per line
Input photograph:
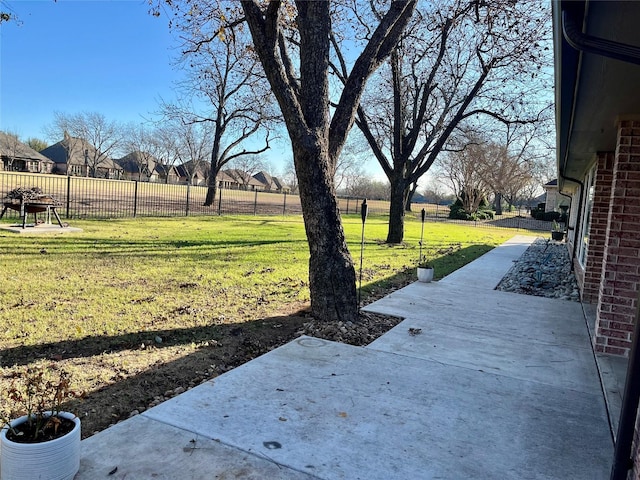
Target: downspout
x=599 y=46
x=622 y=461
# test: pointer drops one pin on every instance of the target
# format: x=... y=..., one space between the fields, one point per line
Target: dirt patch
x=218 y=350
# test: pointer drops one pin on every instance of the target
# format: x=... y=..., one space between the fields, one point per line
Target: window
x=583 y=237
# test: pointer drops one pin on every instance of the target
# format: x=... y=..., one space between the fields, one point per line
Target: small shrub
x=537 y=213
x=38 y=393
x=483 y=215
x=457 y=212
x=551 y=216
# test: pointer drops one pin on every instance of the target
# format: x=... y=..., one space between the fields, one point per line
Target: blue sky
x=107 y=56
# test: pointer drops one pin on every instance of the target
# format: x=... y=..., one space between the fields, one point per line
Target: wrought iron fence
x=81 y=197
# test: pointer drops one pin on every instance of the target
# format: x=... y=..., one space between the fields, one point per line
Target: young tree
x=458 y=60
x=165 y=147
x=227 y=88
x=60 y=128
x=140 y=144
x=368 y=188
x=462 y=171
x=37 y=144
x=289 y=176
x=245 y=167
x=193 y=147
x=349 y=167
x=88 y=133
x=104 y=135
x=508 y=166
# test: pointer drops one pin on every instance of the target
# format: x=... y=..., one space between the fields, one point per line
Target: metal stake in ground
x=422 y=233
x=363 y=213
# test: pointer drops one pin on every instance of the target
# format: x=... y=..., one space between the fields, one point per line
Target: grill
x=31 y=201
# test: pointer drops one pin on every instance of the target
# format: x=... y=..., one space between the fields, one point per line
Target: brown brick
x=614 y=334
x=614 y=342
x=623 y=352
x=622 y=326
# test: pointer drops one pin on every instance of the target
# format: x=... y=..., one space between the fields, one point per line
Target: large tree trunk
x=332 y=278
x=212 y=186
x=212 y=190
x=216 y=163
x=498 y=203
x=399 y=195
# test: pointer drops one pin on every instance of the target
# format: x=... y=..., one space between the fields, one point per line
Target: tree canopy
x=458 y=64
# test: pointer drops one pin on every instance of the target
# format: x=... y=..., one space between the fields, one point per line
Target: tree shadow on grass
x=123 y=246
x=106 y=344
x=218 y=348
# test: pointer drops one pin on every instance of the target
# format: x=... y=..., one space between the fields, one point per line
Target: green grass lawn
x=95 y=301
x=124 y=276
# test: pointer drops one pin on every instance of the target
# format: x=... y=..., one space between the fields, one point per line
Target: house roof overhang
x=594 y=89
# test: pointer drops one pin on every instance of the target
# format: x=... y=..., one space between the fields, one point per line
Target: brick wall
x=618 y=292
x=598 y=227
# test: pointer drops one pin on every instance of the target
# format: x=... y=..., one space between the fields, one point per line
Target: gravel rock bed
x=543 y=270
x=369 y=327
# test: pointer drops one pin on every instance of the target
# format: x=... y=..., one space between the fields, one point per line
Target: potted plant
x=557 y=233
x=425 y=271
x=44 y=442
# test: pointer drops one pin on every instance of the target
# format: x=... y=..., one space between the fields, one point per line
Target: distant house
x=553 y=198
x=271 y=184
x=224 y=180
x=165 y=174
x=193 y=173
x=72 y=157
x=139 y=166
x=19 y=157
x=245 y=181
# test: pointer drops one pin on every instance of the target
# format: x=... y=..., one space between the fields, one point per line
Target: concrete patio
x=486 y=385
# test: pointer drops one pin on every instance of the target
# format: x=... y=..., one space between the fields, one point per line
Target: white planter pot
x=57 y=459
x=425 y=274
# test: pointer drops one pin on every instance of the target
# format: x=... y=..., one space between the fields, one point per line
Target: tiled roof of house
x=19 y=150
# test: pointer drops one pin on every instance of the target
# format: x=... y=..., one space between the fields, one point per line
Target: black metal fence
x=81 y=197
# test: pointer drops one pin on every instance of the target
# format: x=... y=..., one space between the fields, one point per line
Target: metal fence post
x=220 y=201
x=284 y=204
x=135 y=198
x=255 y=204
x=68 y=195
x=186 y=212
